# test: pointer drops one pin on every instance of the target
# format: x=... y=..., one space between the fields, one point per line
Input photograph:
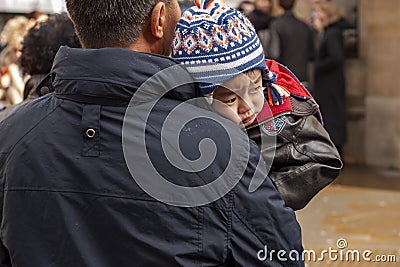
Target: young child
x=220 y=48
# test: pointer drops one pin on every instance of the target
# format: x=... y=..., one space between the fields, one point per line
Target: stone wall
x=379 y=39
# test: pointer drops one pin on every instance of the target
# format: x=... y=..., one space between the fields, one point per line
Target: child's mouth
x=248 y=119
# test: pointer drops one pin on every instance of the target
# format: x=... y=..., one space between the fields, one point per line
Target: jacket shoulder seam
x=33 y=127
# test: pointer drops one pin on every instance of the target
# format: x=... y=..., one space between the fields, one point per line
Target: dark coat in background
x=330 y=83
x=291 y=44
x=260 y=19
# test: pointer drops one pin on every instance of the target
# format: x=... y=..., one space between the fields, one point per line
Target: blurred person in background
x=40 y=46
x=246 y=7
x=329 y=79
x=261 y=18
x=314 y=4
x=291 y=42
x=36 y=17
x=12 y=83
x=343 y=23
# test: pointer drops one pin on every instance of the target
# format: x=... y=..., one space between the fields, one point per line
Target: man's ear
x=158 y=20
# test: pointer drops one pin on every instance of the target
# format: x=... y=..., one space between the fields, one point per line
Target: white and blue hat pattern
x=216 y=43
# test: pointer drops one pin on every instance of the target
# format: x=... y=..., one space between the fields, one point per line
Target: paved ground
x=362 y=211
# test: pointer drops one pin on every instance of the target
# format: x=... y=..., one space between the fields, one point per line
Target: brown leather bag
x=304 y=159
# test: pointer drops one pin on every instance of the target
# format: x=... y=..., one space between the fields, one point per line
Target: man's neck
x=139 y=46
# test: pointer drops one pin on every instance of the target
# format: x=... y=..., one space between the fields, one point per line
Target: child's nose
x=244 y=105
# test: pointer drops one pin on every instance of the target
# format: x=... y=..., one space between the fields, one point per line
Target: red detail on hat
x=203 y=4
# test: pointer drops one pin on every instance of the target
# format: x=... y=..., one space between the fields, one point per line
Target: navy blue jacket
x=68 y=198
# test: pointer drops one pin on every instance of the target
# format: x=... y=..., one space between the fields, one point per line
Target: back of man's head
x=287 y=4
x=110 y=23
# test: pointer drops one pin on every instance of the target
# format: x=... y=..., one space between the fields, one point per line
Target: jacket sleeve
x=261 y=222
x=4 y=256
x=305 y=160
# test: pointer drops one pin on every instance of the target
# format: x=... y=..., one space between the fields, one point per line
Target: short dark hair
x=287 y=4
x=110 y=23
x=42 y=42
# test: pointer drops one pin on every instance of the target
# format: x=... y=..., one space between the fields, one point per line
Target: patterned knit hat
x=216 y=43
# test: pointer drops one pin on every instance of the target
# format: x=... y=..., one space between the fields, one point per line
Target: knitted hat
x=216 y=43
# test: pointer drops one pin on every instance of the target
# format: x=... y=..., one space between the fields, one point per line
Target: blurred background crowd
x=326 y=43
x=344 y=51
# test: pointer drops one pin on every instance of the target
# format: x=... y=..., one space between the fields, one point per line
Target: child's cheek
x=227 y=112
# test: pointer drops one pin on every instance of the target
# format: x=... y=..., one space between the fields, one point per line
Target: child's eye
x=255 y=89
x=230 y=101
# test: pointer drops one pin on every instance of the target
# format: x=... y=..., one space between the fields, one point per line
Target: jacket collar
x=109 y=74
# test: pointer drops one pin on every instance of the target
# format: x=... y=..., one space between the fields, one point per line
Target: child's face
x=241 y=98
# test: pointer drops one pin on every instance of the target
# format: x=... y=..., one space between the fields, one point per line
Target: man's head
x=287 y=4
x=140 y=24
